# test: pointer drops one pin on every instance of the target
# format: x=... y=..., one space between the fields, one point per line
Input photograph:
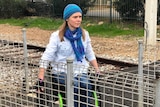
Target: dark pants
x=50 y=92
x=58 y=82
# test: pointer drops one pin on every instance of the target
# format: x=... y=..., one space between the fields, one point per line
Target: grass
x=95 y=29
x=43 y=23
x=112 y=30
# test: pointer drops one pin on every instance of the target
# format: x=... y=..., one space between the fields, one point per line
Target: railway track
x=14 y=50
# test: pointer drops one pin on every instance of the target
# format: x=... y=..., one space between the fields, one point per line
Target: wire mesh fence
x=113 y=88
x=20 y=87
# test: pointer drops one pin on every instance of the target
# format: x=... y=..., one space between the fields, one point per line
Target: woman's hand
x=41 y=73
x=40 y=85
x=40 y=82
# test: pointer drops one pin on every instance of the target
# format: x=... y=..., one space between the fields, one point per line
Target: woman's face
x=74 y=21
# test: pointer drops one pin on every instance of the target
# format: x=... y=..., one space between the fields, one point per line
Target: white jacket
x=58 y=52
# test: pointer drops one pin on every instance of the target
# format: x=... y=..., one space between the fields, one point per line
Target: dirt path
x=115 y=47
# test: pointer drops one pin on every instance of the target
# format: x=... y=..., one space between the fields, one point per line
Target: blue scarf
x=79 y=50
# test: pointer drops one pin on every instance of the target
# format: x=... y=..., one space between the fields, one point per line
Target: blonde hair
x=62 y=30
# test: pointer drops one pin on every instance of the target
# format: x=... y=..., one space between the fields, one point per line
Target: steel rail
x=100 y=60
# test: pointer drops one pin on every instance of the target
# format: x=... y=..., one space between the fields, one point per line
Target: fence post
x=157 y=99
x=69 y=85
x=111 y=11
x=140 y=74
x=25 y=59
x=0 y=101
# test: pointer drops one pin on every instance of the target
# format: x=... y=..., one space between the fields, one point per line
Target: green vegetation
x=43 y=23
x=111 y=30
x=95 y=28
x=130 y=10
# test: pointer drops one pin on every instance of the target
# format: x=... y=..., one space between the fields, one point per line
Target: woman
x=71 y=40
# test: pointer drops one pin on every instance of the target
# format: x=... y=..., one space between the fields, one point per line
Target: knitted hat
x=71 y=9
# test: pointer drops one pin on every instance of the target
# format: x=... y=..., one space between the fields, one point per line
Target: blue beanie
x=70 y=9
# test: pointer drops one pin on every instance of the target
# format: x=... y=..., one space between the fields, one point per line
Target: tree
x=59 y=5
x=12 y=8
x=130 y=9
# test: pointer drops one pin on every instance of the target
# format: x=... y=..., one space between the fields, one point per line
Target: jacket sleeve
x=49 y=53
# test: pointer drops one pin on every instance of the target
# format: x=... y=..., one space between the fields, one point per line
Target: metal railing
x=134 y=87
